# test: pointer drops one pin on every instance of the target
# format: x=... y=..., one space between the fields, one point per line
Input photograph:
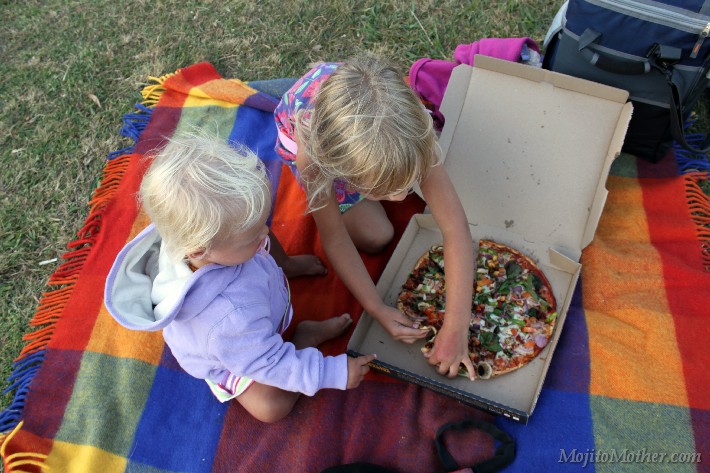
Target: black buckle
x=663 y=55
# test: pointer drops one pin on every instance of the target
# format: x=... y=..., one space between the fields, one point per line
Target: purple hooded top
x=218 y=319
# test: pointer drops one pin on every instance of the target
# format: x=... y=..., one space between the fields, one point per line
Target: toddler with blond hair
x=202 y=272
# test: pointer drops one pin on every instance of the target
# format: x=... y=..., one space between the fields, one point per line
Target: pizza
x=422 y=295
x=513 y=310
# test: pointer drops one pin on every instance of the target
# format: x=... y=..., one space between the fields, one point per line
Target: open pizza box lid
x=528 y=151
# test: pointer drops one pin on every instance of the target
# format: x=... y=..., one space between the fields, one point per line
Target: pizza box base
x=528 y=151
x=513 y=394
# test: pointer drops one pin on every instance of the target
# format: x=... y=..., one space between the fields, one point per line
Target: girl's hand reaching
x=450 y=351
x=398 y=325
x=357 y=369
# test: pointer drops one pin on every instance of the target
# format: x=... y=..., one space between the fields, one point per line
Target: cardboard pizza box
x=528 y=151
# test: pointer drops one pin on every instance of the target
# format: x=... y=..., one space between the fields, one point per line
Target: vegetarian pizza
x=513 y=310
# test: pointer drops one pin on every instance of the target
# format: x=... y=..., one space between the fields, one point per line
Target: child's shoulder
x=259 y=269
x=255 y=280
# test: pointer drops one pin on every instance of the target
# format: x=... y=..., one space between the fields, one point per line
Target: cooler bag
x=657 y=50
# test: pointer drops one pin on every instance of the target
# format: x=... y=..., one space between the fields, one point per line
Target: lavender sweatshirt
x=218 y=319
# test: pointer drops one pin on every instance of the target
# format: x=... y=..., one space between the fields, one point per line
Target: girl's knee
x=375 y=238
x=368 y=226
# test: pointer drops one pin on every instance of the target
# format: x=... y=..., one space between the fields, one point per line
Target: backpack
x=658 y=50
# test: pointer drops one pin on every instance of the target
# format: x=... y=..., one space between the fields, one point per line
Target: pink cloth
x=429 y=77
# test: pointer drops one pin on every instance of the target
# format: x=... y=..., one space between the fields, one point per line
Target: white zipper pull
x=701 y=37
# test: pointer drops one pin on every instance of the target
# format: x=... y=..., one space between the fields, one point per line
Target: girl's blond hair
x=199 y=190
x=368 y=128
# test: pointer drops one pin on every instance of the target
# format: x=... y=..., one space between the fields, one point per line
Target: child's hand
x=399 y=326
x=357 y=369
x=450 y=351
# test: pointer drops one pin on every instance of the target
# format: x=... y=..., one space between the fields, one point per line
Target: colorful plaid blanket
x=627 y=390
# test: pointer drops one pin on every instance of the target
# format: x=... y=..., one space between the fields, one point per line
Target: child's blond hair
x=368 y=128
x=200 y=190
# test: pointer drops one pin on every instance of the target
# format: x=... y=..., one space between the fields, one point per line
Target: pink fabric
x=429 y=77
x=502 y=48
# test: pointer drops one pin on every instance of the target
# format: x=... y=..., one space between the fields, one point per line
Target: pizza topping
x=437 y=255
x=541 y=340
x=513 y=310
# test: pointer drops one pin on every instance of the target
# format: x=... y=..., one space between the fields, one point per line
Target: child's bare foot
x=304 y=265
x=311 y=333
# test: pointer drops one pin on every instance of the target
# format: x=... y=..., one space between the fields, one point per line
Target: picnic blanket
x=626 y=391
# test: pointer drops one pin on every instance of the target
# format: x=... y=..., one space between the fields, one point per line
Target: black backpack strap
x=504 y=454
x=615 y=65
x=663 y=59
x=677 y=118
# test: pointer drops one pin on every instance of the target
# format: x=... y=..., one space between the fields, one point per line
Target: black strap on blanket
x=504 y=454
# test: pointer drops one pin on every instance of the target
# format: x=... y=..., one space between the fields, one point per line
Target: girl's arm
x=451 y=343
x=347 y=262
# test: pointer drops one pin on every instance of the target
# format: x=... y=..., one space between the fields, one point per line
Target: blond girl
x=354 y=134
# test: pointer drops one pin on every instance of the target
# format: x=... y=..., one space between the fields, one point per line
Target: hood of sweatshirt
x=146 y=289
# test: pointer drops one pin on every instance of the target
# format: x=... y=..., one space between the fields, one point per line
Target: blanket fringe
x=52 y=303
x=152 y=92
x=689 y=161
x=64 y=279
x=15 y=460
x=66 y=275
x=133 y=126
x=699 y=205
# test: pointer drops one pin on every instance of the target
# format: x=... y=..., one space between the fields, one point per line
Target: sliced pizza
x=514 y=311
x=422 y=295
